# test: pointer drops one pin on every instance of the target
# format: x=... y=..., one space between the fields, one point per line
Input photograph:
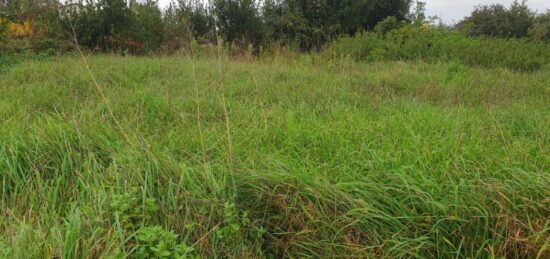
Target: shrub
x=3 y=31
x=498 y=21
x=541 y=28
x=434 y=44
x=389 y=24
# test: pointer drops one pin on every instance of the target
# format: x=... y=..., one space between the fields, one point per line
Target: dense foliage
x=311 y=23
x=541 y=28
x=238 y=20
x=499 y=21
x=143 y=27
x=436 y=44
x=401 y=139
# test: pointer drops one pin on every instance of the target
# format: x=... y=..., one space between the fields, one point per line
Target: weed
x=132 y=212
x=156 y=242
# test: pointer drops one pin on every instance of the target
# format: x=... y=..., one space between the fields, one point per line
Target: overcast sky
x=455 y=10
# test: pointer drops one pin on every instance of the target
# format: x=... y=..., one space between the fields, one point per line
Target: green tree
x=418 y=13
x=541 y=28
x=196 y=17
x=185 y=21
x=116 y=22
x=148 y=25
x=116 y=25
x=105 y=24
x=175 y=34
x=272 y=14
x=498 y=21
x=238 y=20
x=311 y=23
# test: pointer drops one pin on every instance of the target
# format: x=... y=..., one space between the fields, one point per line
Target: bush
x=3 y=31
x=498 y=21
x=389 y=24
x=434 y=45
x=541 y=28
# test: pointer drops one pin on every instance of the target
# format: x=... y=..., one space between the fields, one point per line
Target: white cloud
x=455 y=10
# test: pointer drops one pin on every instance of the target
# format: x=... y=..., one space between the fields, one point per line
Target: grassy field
x=296 y=157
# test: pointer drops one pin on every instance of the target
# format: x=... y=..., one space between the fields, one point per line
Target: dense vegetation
x=398 y=137
x=141 y=27
x=436 y=44
x=281 y=157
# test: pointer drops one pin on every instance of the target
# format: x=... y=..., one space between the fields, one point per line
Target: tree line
x=143 y=26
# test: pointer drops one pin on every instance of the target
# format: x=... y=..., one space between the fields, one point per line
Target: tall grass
x=380 y=159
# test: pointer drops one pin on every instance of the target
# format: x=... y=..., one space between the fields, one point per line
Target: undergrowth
x=440 y=45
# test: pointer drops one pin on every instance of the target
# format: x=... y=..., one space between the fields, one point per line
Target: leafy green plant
x=236 y=226
x=130 y=211
x=156 y=242
x=232 y=223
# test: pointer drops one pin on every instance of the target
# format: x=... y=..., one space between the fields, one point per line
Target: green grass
x=290 y=158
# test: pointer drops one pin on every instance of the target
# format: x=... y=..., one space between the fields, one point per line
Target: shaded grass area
x=325 y=159
x=6 y=62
